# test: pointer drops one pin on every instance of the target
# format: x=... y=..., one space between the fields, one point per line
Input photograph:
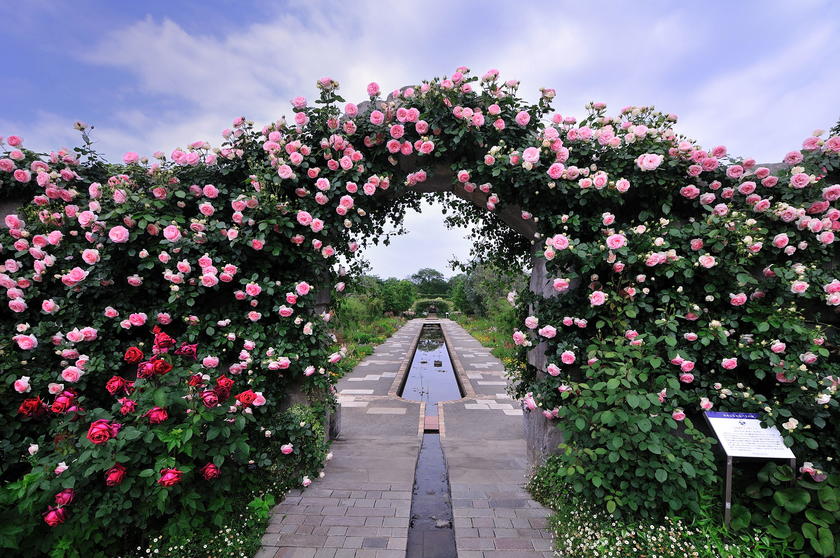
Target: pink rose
x=90 y=256
x=302 y=288
x=49 y=306
x=568 y=357
x=597 y=298
x=210 y=362
x=561 y=284
x=737 y=299
x=547 y=331
x=71 y=374
x=798 y=287
x=780 y=240
x=137 y=319
x=25 y=342
x=118 y=234
x=678 y=415
x=616 y=241
x=729 y=363
x=22 y=385
x=799 y=180
x=553 y=369
x=707 y=261
x=74 y=276
x=649 y=161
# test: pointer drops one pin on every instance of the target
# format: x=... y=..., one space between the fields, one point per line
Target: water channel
x=431 y=379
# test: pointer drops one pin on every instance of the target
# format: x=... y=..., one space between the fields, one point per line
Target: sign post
x=741 y=435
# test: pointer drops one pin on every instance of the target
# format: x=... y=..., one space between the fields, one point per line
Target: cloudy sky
x=757 y=76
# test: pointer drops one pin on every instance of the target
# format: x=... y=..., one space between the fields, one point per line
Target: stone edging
x=406 y=364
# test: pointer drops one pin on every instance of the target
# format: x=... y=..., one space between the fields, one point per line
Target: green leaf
x=793 y=500
x=826 y=544
x=146 y=473
x=820 y=517
x=632 y=400
x=778 y=531
x=661 y=475
x=829 y=499
x=613 y=383
x=740 y=517
x=611 y=506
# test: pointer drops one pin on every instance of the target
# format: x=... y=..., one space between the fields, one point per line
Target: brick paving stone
x=375 y=542
x=266 y=552
x=513 y=543
x=296 y=553
x=466 y=543
x=334 y=541
x=352 y=542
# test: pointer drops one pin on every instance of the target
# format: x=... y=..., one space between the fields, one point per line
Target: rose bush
x=687 y=280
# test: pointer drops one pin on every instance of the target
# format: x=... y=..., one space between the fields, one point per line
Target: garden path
x=361 y=508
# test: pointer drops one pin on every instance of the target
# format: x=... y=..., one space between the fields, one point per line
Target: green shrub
x=805 y=515
x=427 y=305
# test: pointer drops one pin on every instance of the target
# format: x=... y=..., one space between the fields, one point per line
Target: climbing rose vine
x=685 y=279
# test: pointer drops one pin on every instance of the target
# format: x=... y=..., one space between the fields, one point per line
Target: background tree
x=430 y=283
x=397 y=295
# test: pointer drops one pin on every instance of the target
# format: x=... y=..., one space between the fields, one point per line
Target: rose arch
x=162 y=311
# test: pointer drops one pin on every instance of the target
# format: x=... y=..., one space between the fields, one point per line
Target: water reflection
x=431 y=377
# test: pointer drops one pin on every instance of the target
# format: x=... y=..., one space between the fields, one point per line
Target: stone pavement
x=361 y=508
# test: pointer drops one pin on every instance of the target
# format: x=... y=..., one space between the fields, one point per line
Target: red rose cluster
x=55 y=515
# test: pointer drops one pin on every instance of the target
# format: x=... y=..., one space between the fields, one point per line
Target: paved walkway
x=361 y=508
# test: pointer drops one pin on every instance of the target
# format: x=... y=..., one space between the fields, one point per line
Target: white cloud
x=767 y=108
x=428 y=244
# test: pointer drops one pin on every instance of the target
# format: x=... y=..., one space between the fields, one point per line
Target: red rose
x=169 y=477
x=100 y=432
x=133 y=354
x=65 y=496
x=127 y=405
x=209 y=398
x=161 y=367
x=31 y=407
x=196 y=380
x=222 y=389
x=187 y=350
x=247 y=397
x=145 y=369
x=210 y=472
x=156 y=415
x=163 y=342
x=62 y=403
x=54 y=516
x=114 y=475
x=115 y=384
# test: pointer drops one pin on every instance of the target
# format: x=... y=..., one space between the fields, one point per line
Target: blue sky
x=755 y=76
